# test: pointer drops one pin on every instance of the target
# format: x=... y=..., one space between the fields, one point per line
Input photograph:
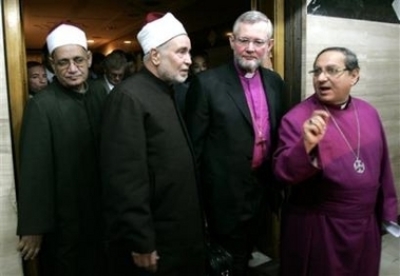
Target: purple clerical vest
x=257 y=102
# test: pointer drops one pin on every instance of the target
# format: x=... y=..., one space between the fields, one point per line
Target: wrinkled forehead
x=179 y=42
x=69 y=51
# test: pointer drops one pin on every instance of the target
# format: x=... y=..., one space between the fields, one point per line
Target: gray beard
x=248 y=66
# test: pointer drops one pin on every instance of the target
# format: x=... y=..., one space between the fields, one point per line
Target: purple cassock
x=332 y=223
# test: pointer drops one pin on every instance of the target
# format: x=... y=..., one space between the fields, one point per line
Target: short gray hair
x=252 y=17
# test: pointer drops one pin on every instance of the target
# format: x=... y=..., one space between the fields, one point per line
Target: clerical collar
x=344 y=105
x=341 y=106
x=245 y=74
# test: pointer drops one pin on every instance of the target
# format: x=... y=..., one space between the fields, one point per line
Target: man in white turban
x=153 y=216
x=59 y=193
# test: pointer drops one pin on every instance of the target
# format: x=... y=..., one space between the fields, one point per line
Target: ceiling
x=115 y=21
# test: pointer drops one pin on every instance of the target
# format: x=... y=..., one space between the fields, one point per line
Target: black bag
x=219 y=261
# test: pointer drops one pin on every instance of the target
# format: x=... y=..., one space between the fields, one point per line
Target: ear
x=155 y=57
x=51 y=62
x=270 y=45
x=89 y=57
x=231 y=40
x=355 y=76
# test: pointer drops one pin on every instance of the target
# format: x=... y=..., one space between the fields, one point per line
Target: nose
x=72 y=66
x=250 y=46
x=188 y=59
x=322 y=76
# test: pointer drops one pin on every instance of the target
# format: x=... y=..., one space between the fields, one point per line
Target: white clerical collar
x=343 y=105
x=249 y=75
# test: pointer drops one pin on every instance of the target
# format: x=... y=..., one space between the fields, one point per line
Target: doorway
x=16 y=54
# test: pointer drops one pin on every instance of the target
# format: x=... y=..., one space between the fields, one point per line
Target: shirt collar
x=244 y=74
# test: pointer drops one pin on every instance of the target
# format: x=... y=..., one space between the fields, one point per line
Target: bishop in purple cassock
x=333 y=155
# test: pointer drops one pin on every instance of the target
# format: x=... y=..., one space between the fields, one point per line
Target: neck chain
x=358 y=164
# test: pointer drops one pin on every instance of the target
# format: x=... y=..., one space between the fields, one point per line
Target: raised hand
x=314 y=129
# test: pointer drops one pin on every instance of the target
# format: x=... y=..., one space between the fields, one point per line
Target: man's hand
x=314 y=129
x=29 y=246
x=146 y=261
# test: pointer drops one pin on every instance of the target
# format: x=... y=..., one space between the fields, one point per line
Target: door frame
x=17 y=81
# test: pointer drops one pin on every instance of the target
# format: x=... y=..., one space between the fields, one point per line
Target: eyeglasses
x=328 y=71
x=243 y=41
x=65 y=63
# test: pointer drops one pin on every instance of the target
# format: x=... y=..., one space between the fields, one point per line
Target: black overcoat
x=219 y=122
x=59 y=186
x=148 y=171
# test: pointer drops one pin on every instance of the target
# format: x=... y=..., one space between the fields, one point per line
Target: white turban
x=65 y=35
x=159 y=31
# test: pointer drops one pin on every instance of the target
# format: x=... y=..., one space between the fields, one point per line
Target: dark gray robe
x=59 y=187
x=150 y=190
